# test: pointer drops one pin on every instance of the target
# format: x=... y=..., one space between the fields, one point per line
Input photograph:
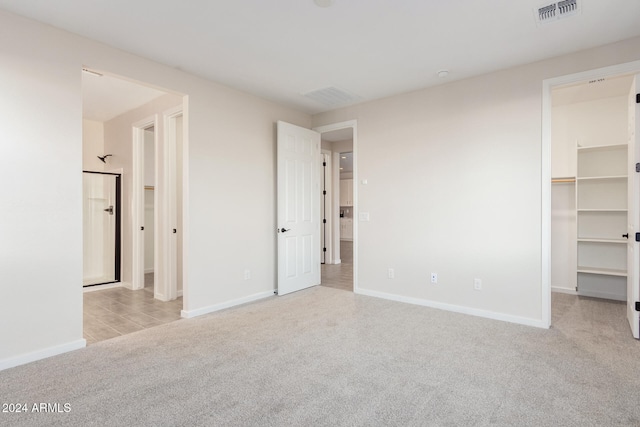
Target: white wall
x=150 y=151
x=41 y=154
x=564 y=250
x=464 y=161
x=231 y=162
x=596 y=122
x=92 y=145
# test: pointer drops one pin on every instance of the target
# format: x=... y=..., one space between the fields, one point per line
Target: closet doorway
x=149 y=166
x=594 y=206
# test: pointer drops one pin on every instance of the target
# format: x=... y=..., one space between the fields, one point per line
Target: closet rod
x=558 y=180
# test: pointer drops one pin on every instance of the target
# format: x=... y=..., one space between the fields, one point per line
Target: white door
x=633 y=258
x=298 y=226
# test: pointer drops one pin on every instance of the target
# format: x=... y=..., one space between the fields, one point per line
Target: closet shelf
x=595 y=240
x=564 y=179
x=602 y=178
x=602 y=271
x=601 y=210
x=601 y=148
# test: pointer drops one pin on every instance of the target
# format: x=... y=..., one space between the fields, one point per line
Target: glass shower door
x=101 y=228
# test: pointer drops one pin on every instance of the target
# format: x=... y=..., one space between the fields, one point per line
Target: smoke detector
x=552 y=12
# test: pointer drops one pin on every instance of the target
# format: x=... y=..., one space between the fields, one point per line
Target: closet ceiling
x=598 y=89
x=362 y=49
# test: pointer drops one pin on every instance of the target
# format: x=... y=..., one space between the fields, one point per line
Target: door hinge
x=324 y=164
x=324 y=221
x=324 y=193
x=637 y=306
x=324 y=249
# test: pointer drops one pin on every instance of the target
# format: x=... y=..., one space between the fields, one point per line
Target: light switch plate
x=364 y=216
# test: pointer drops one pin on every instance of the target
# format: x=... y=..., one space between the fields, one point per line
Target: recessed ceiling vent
x=555 y=11
x=331 y=96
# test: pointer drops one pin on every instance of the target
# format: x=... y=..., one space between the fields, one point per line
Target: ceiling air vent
x=555 y=11
x=331 y=96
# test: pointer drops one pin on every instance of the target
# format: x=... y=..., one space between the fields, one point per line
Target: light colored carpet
x=328 y=357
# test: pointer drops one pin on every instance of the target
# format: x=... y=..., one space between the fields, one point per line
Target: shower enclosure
x=101 y=228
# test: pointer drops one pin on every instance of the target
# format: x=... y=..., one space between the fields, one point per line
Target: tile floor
x=340 y=276
x=119 y=311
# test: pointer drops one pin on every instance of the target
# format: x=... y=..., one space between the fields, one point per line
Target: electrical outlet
x=477 y=284
x=391 y=273
x=434 y=277
x=247 y=274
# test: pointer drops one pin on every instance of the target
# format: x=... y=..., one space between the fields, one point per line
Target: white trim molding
x=455 y=308
x=188 y=314
x=137 y=240
x=42 y=354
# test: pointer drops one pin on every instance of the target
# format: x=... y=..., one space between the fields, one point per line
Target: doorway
x=591 y=188
x=337 y=270
x=112 y=108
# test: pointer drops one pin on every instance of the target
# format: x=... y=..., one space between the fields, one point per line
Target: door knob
x=109 y=209
x=626 y=236
x=283 y=230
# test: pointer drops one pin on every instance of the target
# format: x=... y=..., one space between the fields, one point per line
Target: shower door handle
x=109 y=209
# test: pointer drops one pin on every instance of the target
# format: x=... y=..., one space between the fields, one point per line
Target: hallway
x=339 y=276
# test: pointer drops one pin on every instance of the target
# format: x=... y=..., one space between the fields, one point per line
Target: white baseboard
x=454 y=308
x=41 y=354
x=564 y=290
x=187 y=314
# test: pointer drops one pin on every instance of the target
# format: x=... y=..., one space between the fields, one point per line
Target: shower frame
x=118 y=227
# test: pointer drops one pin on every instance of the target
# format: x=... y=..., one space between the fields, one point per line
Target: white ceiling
x=282 y=49
x=338 y=135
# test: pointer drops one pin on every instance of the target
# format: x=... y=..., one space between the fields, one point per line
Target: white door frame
x=328 y=205
x=137 y=211
x=169 y=205
x=547 y=87
x=336 y=213
x=353 y=124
